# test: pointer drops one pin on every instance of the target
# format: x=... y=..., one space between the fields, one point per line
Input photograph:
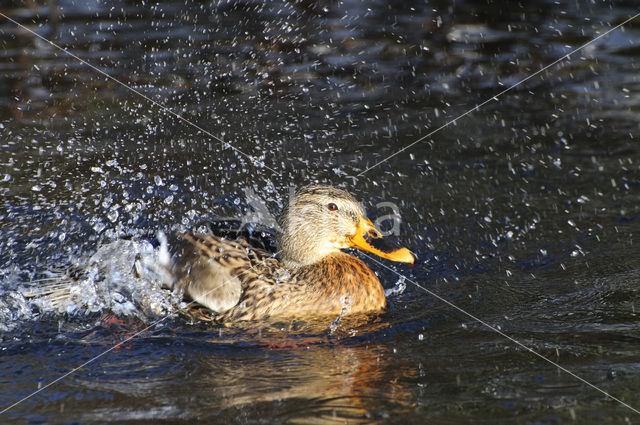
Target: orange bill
x=364 y=238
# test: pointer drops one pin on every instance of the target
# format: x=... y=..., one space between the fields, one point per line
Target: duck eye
x=332 y=206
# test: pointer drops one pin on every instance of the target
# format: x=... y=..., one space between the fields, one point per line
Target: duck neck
x=298 y=258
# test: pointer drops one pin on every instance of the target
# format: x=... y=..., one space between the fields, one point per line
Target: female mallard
x=310 y=276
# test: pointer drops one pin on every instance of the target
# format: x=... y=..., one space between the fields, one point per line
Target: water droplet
x=113 y=215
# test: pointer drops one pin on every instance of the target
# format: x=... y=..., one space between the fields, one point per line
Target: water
x=523 y=213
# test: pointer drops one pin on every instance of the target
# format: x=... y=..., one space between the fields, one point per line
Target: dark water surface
x=524 y=213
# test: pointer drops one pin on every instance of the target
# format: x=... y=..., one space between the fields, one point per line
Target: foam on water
x=125 y=277
x=397 y=289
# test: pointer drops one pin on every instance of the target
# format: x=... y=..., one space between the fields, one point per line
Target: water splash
x=397 y=289
x=124 y=277
x=346 y=307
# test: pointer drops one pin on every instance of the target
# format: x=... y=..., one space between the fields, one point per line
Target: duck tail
x=54 y=290
x=118 y=276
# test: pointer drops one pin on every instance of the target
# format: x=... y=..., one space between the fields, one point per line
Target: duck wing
x=215 y=271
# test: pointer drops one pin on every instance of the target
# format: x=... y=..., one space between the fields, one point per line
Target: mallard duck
x=309 y=275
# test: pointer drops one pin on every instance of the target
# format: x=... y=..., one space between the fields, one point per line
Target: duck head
x=321 y=220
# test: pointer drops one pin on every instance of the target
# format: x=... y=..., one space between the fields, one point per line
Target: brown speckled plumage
x=311 y=276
